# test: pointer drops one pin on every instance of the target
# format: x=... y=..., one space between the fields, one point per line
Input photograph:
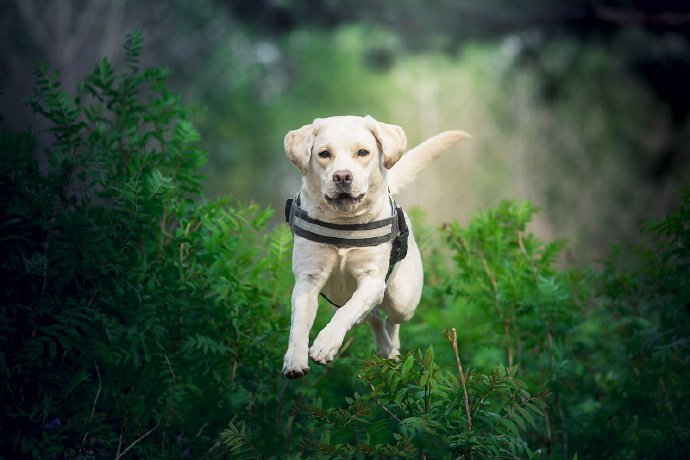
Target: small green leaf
x=407 y=366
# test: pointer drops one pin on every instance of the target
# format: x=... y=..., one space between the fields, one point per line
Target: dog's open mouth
x=344 y=199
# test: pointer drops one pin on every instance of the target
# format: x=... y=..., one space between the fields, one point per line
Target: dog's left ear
x=391 y=139
x=298 y=145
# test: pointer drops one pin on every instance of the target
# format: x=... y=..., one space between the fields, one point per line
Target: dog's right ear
x=390 y=138
x=298 y=145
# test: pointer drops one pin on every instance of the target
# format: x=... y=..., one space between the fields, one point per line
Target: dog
x=348 y=233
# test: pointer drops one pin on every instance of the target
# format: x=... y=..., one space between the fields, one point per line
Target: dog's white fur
x=353 y=277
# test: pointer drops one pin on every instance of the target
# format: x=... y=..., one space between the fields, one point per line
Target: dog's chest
x=342 y=282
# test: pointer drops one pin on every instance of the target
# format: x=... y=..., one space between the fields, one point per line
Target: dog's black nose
x=342 y=177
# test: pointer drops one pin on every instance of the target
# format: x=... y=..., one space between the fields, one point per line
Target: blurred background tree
x=581 y=107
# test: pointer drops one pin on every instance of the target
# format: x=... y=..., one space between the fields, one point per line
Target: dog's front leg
x=369 y=293
x=304 y=306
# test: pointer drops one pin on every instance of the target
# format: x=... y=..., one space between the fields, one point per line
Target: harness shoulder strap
x=399 y=248
x=288 y=209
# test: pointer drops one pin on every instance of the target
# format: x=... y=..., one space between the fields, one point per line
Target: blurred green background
x=581 y=106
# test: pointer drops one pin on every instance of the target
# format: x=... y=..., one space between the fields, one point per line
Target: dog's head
x=343 y=159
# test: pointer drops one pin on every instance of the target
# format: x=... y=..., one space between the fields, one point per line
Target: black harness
x=393 y=228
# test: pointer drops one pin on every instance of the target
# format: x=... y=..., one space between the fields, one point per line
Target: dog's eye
x=325 y=154
x=362 y=152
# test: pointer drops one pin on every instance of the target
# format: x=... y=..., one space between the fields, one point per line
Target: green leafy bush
x=415 y=407
x=642 y=401
x=129 y=309
x=506 y=277
x=608 y=348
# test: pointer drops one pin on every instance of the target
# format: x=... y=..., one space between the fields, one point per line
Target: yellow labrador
x=346 y=227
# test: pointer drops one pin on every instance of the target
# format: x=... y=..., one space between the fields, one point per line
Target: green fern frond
x=134 y=43
x=236 y=438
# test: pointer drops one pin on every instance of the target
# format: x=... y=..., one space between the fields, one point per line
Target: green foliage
x=507 y=276
x=236 y=438
x=605 y=349
x=643 y=393
x=138 y=319
x=414 y=407
x=128 y=307
x=608 y=349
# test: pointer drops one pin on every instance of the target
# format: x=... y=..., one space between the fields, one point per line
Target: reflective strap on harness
x=341 y=235
x=393 y=228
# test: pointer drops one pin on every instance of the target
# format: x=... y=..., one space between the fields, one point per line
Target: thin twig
x=549 y=343
x=547 y=417
x=46 y=248
x=95 y=293
x=93 y=408
x=379 y=403
x=494 y=284
x=506 y=338
x=559 y=407
x=288 y=432
x=214 y=446
x=233 y=371
x=497 y=305
x=170 y=367
x=452 y=337
x=170 y=395
x=561 y=415
x=119 y=444
x=201 y=430
x=524 y=252
x=118 y=456
x=279 y=412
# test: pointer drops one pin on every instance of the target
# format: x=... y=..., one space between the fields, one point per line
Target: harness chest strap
x=393 y=228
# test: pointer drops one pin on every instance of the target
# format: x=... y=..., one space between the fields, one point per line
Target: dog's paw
x=385 y=347
x=294 y=367
x=387 y=351
x=327 y=344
